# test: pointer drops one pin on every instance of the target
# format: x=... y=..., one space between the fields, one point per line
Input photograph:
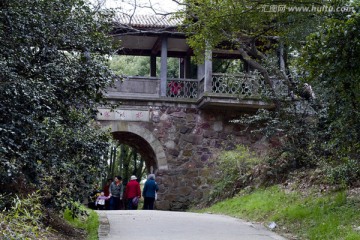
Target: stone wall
x=192 y=139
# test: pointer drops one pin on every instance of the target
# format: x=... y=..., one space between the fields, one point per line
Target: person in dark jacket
x=116 y=193
x=149 y=192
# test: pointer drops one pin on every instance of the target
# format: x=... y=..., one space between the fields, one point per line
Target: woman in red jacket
x=133 y=193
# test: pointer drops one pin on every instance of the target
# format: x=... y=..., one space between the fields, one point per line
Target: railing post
x=163 y=67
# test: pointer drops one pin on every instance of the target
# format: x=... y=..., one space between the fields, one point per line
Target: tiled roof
x=149 y=21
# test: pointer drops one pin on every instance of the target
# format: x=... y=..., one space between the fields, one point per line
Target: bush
x=347 y=173
x=24 y=219
x=233 y=170
x=88 y=220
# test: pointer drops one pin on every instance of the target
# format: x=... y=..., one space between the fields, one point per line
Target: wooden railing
x=135 y=87
x=243 y=85
x=182 y=88
x=224 y=85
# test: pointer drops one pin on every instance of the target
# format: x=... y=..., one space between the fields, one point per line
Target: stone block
x=224 y=135
x=190 y=118
x=209 y=134
x=184 y=191
x=172 y=197
x=170 y=144
x=205 y=125
x=173 y=152
x=178 y=114
x=162 y=205
x=205 y=157
x=164 y=117
x=193 y=138
x=184 y=130
x=217 y=126
x=187 y=153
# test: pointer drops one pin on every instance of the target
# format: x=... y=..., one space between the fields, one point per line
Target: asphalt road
x=166 y=225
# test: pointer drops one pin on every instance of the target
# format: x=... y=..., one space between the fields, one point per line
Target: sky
x=162 y=6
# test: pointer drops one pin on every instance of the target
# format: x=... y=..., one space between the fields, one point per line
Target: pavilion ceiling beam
x=148 y=52
x=156 y=47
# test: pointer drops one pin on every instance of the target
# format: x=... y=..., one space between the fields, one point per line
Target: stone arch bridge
x=179 y=140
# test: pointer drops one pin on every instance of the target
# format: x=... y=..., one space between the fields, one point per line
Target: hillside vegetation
x=303 y=204
x=297 y=215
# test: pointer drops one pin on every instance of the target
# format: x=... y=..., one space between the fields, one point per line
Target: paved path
x=166 y=225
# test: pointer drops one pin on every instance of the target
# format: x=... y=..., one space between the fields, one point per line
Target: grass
x=90 y=223
x=329 y=216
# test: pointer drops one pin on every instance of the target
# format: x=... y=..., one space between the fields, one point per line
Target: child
x=100 y=201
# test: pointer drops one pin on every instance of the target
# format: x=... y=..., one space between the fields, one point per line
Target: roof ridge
x=148 y=21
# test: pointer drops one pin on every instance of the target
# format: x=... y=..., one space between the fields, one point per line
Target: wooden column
x=208 y=71
x=182 y=67
x=152 y=66
x=200 y=71
x=163 y=67
x=187 y=63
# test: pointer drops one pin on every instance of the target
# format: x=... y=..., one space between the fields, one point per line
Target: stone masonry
x=180 y=143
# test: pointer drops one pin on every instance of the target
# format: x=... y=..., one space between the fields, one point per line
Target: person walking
x=100 y=201
x=116 y=193
x=106 y=191
x=132 y=193
x=149 y=192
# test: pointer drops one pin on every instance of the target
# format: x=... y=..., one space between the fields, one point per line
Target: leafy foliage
x=88 y=221
x=233 y=171
x=346 y=173
x=125 y=161
x=53 y=61
x=292 y=129
x=27 y=213
x=330 y=60
x=210 y=23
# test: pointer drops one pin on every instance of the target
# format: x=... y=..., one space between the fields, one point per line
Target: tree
x=125 y=161
x=256 y=29
x=53 y=71
x=331 y=60
x=140 y=66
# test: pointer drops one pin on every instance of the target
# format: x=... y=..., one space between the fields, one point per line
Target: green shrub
x=24 y=219
x=87 y=219
x=233 y=169
x=346 y=173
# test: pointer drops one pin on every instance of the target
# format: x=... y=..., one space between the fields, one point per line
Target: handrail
x=182 y=88
x=241 y=85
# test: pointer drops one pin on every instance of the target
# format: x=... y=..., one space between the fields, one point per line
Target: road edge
x=104 y=225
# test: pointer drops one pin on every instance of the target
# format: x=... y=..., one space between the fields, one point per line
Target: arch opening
x=141 y=146
x=142 y=139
